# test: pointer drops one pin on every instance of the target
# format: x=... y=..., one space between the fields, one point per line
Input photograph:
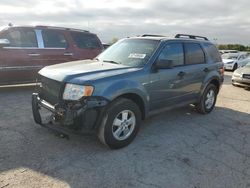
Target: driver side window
x=173 y=52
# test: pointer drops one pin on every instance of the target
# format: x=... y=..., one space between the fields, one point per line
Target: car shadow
x=30 y=151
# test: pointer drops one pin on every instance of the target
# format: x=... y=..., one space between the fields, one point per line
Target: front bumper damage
x=65 y=117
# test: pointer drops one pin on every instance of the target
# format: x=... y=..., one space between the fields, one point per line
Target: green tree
x=114 y=40
x=238 y=47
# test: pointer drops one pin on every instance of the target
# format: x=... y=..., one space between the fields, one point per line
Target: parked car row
x=232 y=61
x=241 y=76
x=25 y=50
x=228 y=51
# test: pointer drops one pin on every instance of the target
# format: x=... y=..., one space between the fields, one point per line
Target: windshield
x=229 y=56
x=129 y=52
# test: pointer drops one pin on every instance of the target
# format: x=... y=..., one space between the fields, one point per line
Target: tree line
x=238 y=47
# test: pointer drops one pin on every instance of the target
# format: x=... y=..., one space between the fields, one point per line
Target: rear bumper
x=68 y=118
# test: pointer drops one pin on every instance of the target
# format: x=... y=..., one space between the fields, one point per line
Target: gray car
x=241 y=77
x=128 y=82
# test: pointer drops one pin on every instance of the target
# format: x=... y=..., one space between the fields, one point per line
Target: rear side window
x=213 y=52
x=22 y=38
x=173 y=52
x=194 y=54
x=54 y=39
x=85 y=41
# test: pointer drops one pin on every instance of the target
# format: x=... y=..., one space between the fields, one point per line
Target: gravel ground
x=178 y=148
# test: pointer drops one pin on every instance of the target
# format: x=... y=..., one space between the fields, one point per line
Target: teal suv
x=126 y=83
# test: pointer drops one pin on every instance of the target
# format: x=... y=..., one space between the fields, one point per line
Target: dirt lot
x=178 y=148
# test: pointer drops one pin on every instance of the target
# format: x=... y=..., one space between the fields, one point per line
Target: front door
x=20 y=61
x=167 y=86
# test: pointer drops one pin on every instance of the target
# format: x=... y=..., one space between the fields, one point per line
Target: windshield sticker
x=137 y=56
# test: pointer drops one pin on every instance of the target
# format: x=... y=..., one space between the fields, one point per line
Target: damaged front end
x=77 y=116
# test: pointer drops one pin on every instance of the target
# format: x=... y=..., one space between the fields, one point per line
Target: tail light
x=221 y=71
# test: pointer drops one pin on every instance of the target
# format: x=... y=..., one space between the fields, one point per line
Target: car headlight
x=235 y=74
x=75 y=92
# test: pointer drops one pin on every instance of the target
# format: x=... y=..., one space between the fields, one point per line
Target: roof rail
x=61 y=28
x=190 y=36
x=149 y=35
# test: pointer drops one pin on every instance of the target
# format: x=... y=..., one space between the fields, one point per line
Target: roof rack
x=61 y=28
x=190 y=36
x=149 y=35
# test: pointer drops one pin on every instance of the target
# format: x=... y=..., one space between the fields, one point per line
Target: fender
x=126 y=87
x=208 y=80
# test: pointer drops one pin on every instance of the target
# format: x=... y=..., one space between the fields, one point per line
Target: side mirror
x=4 y=43
x=164 y=64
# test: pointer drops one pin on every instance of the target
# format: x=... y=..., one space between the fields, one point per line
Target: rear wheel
x=120 y=124
x=207 y=100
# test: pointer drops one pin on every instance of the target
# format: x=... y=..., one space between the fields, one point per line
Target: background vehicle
x=241 y=77
x=25 y=50
x=228 y=51
x=129 y=81
x=234 y=60
x=105 y=45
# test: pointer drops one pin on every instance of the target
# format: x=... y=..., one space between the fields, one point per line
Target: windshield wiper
x=110 y=61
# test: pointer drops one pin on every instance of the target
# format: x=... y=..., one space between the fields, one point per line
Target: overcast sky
x=223 y=20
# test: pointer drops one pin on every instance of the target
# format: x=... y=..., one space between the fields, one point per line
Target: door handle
x=181 y=74
x=206 y=69
x=68 y=54
x=34 y=55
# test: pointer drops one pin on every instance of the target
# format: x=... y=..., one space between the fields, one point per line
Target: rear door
x=196 y=68
x=86 y=45
x=20 y=61
x=54 y=47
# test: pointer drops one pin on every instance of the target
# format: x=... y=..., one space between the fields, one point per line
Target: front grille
x=50 y=90
x=247 y=76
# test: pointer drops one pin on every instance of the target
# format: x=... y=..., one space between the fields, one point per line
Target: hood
x=84 y=70
x=227 y=60
x=243 y=70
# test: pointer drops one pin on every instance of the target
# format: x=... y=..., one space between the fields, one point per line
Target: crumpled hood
x=84 y=70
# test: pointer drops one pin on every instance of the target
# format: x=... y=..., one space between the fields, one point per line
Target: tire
x=207 y=100
x=235 y=66
x=116 y=131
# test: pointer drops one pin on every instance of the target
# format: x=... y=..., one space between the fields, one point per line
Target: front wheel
x=207 y=100
x=120 y=123
x=235 y=66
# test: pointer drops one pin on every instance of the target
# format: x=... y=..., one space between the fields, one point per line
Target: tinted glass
x=21 y=38
x=130 y=52
x=85 y=41
x=54 y=39
x=173 y=52
x=194 y=54
x=212 y=52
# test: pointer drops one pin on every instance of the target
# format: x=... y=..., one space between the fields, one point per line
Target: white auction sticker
x=137 y=56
